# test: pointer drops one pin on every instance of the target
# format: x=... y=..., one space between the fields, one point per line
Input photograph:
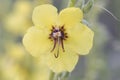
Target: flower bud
x=88 y=6
x=71 y=3
x=80 y=3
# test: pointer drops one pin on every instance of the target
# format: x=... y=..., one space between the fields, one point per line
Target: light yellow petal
x=66 y=61
x=36 y=41
x=70 y=16
x=80 y=39
x=44 y=15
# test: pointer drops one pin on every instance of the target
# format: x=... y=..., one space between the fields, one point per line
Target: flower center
x=58 y=35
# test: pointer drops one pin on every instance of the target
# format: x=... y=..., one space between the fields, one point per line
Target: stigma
x=58 y=36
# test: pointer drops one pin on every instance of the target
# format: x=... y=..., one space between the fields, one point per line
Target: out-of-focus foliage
x=16 y=64
x=18 y=20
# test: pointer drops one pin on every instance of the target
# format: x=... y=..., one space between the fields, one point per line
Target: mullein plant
x=58 y=39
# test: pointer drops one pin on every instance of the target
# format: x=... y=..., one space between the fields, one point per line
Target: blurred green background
x=17 y=64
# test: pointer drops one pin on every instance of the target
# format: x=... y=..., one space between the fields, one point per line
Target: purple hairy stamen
x=58 y=36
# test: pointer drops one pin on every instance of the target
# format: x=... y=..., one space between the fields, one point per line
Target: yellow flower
x=41 y=71
x=17 y=24
x=58 y=38
x=11 y=70
x=18 y=21
x=15 y=51
x=22 y=7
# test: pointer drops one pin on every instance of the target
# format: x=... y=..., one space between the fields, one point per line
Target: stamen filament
x=55 y=42
x=62 y=45
x=58 y=45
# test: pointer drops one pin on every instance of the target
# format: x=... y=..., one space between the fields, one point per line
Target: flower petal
x=70 y=16
x=66 y=61
x=80 y=39
x=36 y=41
x=44 y=15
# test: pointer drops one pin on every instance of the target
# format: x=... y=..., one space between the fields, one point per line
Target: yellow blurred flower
x=18 y=21
x=58 y=38
x=11 y=70
x=15 y=51
x=17 y=24
x=22 y=7
x=41 y=71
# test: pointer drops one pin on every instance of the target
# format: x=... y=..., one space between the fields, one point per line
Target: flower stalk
x=65 y=75
x=52 y=74
x=59 y=76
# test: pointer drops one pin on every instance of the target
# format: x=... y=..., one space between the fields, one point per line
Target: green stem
x=65 y=75
x=51 y=75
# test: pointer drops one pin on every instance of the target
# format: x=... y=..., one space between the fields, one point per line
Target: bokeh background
x=103 y=62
